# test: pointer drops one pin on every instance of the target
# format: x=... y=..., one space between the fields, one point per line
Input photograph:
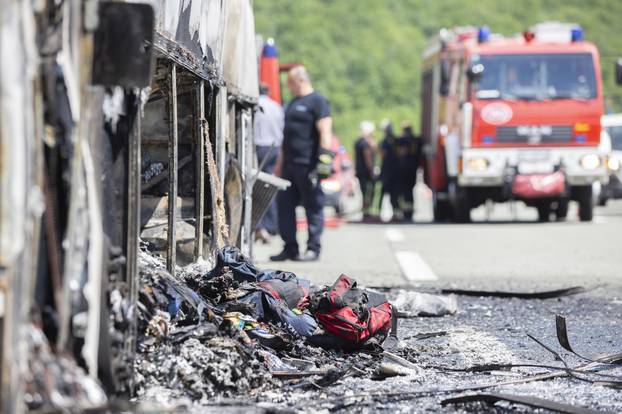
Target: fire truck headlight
x=590 y=161
x=478 y=164
x=613 y=164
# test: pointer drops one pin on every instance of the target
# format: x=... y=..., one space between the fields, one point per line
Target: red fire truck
x=512 y=118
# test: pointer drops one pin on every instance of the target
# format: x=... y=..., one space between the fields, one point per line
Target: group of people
x=399 y=160
x=295 y=143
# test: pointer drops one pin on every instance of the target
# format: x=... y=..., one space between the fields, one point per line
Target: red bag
x=353 y=314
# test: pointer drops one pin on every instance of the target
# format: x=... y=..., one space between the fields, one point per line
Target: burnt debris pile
x=55 y=381
x=236 y=330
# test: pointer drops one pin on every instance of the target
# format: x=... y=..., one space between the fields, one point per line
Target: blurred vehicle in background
x=340 y=189
x=612 y=125
x=512 y=118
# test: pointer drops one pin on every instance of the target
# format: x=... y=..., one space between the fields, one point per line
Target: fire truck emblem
x=496 y=113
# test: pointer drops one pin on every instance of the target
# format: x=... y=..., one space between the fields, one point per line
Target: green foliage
x=365 y=55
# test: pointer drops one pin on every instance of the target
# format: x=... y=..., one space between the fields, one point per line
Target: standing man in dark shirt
x=305 y=159
x=365 y=154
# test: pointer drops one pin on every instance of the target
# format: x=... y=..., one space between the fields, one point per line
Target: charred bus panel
x=85 y=118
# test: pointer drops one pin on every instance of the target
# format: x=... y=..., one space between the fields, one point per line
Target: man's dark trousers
x=308 y=193
x=269 y=220
x=406 y=186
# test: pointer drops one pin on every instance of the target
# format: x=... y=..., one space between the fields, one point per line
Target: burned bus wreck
x=198 y=116
x=109 y=137
x=126 y=210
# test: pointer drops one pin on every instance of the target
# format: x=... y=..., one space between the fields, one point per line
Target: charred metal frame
x=247 y=156
x=173 y=158
x=184 y=58
x=199 y=128
x=199 y=201
x=133 y=223
x=222 y=105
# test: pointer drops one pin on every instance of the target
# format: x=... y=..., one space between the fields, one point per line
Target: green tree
x=365 y=55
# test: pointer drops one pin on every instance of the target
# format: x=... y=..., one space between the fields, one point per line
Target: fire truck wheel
x=584 y=197
x=561 y=211
x=462 y=213
x=462 y=205
x=544 y=212
x=442 y=209
x=603 y=197
x=462 y=209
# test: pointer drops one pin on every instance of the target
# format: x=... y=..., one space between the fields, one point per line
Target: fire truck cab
x=512 y=119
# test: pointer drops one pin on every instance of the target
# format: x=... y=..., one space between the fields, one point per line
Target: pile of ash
x=186 y=348
x=206 y=334
x=54 y=381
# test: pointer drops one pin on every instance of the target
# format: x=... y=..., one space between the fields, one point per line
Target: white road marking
x=414 y=268
x=394 y=235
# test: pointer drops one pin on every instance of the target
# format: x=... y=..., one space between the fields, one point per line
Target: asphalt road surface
x=504 y=246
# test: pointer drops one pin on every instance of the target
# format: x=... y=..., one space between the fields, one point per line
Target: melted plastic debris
x=218 y=289
x=186 y=349
x=411 y=304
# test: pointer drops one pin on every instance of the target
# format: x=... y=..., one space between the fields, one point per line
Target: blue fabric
x=243 y=269
x=173 y=306
x=303 y=324
x=256 y=298
x=269 y=308
x=171 y=295
x=266 y=306
x=269 y=274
